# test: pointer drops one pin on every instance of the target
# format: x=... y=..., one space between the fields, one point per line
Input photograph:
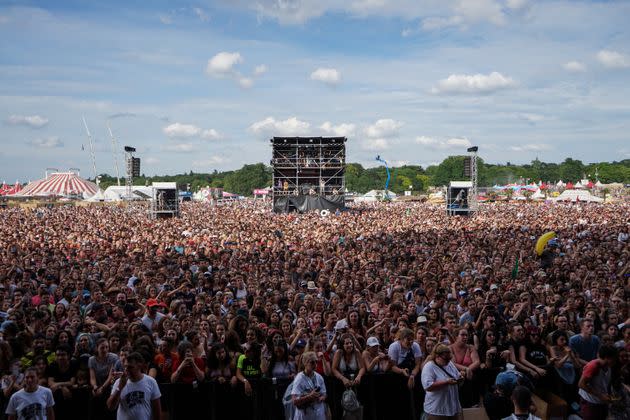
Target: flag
x=515 y=269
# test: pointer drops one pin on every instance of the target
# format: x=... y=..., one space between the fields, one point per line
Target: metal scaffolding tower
x=308 y=169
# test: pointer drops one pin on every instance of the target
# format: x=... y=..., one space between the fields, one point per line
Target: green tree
x=571 y=170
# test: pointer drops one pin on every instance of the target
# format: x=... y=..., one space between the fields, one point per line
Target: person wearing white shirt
x=309 y=391
x=33 y=402
x=440 y=379
x=136 y=395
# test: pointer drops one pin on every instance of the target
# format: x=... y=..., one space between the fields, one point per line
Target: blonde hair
x=439 y=349
x=404 y=333
x=308 y=355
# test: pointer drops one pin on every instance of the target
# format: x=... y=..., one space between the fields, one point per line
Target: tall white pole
x=91 y=151
x=115 y=152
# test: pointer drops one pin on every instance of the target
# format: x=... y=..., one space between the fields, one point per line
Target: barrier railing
x=383 y=396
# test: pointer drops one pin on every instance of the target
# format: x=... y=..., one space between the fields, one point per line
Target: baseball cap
x=421 y=319
x=477 y=289
x=493 y=287
x=462 y=293
x=5 y=324
x=154 y=302
x=373 y=341
x=300 y=343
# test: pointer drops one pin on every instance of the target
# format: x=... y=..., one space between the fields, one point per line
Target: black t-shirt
x=53 y=371
x=536 y=354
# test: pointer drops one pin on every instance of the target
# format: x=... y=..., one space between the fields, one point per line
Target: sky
x=203 y=85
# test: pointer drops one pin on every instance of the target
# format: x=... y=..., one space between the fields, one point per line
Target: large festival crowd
x=101 y=303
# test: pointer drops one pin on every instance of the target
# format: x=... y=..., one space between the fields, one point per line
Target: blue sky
x=203 y=85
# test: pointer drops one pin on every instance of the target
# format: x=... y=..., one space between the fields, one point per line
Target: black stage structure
x=308 y=173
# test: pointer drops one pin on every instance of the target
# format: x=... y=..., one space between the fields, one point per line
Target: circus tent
x=59 y=184
x=8 y=189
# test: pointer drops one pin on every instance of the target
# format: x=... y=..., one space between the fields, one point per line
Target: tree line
x=361 y=180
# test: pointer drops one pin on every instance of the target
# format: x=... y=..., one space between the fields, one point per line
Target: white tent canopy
x=374 y=195
x=118 y=193
x=538 y=195
x=578 y=195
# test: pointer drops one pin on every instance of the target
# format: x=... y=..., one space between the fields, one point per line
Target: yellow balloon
x=542 y=242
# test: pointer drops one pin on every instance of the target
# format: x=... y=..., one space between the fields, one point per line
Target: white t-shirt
x=30 y=405
x=149 y=323
x=443 y=401
x=136 y=397
x=397 y=354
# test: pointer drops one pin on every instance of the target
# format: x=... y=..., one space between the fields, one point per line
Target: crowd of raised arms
x=231 y=294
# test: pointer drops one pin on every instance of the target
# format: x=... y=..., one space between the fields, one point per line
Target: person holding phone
x=440 y=380
x=187 y=369
x=309 y=391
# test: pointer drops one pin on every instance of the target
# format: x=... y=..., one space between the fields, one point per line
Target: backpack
x=349 y=401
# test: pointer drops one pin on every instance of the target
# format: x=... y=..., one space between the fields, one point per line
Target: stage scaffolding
x=308 y=173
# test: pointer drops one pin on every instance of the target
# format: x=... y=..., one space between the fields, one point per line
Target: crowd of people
x=102 y=304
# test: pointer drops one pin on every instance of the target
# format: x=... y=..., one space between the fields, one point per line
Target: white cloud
x=289 y=127
x=427 y=141
x=33 y=121
x=47 y=143
x=472 y=84
x=179 y=148
x=165 y=19
x=574 y=66
x=207 y=163
x=613 y=59
x=210 y=134
x=179 y=130
x=329 y=76
x=383 y=128
x=201 y=14
x=458 y=142
x=532 y=118
x=452 y=143
x=341 y=130
x=516 y=4
x=533 y=147
x=437 y=23
x=3 y=19
x=480 y=11
x=260 y=70
x=290 y=12
x=151 y=160
x=223 y=63
x=245 y=82
x=376 y=144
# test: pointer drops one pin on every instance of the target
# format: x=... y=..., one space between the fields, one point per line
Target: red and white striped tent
x=60 y=184
x=4 y=188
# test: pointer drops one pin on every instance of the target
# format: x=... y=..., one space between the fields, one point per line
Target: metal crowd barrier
x=383 y=396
